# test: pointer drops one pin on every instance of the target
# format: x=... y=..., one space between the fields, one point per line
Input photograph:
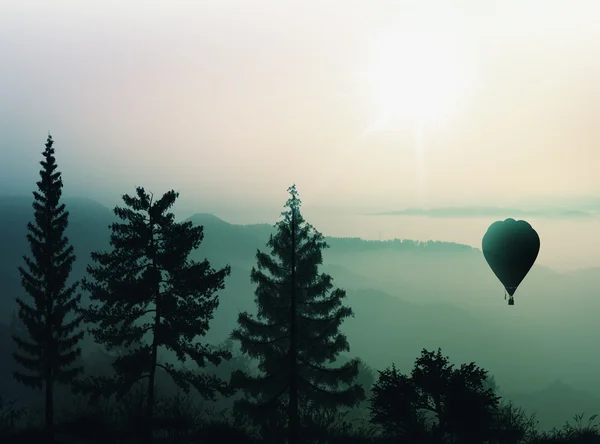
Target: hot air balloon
x=510 y=248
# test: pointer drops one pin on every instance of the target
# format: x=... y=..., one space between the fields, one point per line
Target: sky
x=372 y=106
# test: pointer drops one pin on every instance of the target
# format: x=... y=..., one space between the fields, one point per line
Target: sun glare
x=419 y=77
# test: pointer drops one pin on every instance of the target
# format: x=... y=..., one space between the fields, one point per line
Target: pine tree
x=295 y=335
x=50 y=347
x=146 y=294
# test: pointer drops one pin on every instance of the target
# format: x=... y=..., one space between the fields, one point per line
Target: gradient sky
x=232 y=101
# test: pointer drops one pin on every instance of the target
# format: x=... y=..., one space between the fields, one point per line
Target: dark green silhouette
x=147 y=286
x=49 y=347
x=435 y=403
x=510 y=248
x=296 y=332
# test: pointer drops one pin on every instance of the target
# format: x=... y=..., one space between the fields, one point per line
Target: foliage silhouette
x=147 y=287
x=295 y=334
x=436 y=402
x=579 y=433
x=49 y=346
x=512 y=425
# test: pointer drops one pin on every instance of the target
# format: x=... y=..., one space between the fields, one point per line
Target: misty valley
x=130 y=325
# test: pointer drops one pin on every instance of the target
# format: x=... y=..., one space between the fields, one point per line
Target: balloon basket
x=511 y=301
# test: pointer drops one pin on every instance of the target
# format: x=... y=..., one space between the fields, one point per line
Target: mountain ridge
x=406 y=295
x=75 y=203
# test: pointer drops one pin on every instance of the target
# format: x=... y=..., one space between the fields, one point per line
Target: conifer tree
x=146 y=293
x=295 y=335
x=49 y=347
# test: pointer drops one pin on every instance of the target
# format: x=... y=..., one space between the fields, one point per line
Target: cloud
x=501 y=213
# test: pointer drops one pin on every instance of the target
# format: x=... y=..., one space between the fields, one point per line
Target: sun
x=416 y=77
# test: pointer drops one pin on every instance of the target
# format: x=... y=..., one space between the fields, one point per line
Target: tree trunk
x=148 y=431
x=293 y=420
x=150 y=400
x=49 y=410
x=50 y=358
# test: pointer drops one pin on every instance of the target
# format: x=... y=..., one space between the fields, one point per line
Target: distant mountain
x=225 y=243
x=406 y=295
x=501 y=213
x=88 y=230
x=229 y=243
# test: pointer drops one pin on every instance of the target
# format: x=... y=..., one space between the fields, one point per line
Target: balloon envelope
x=510 y=248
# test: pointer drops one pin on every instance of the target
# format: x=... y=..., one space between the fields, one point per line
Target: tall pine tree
x=146 y=293
x=50 y=348
x=295 y=335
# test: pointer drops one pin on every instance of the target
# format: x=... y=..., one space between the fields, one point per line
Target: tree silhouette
x=395 y=406
x=295 y=334
x=148 y=294
x=436 y=401
x=512 y=424
x=49 y=346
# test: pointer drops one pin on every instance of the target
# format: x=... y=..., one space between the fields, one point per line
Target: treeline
x=279 y=379
x=350 y=244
